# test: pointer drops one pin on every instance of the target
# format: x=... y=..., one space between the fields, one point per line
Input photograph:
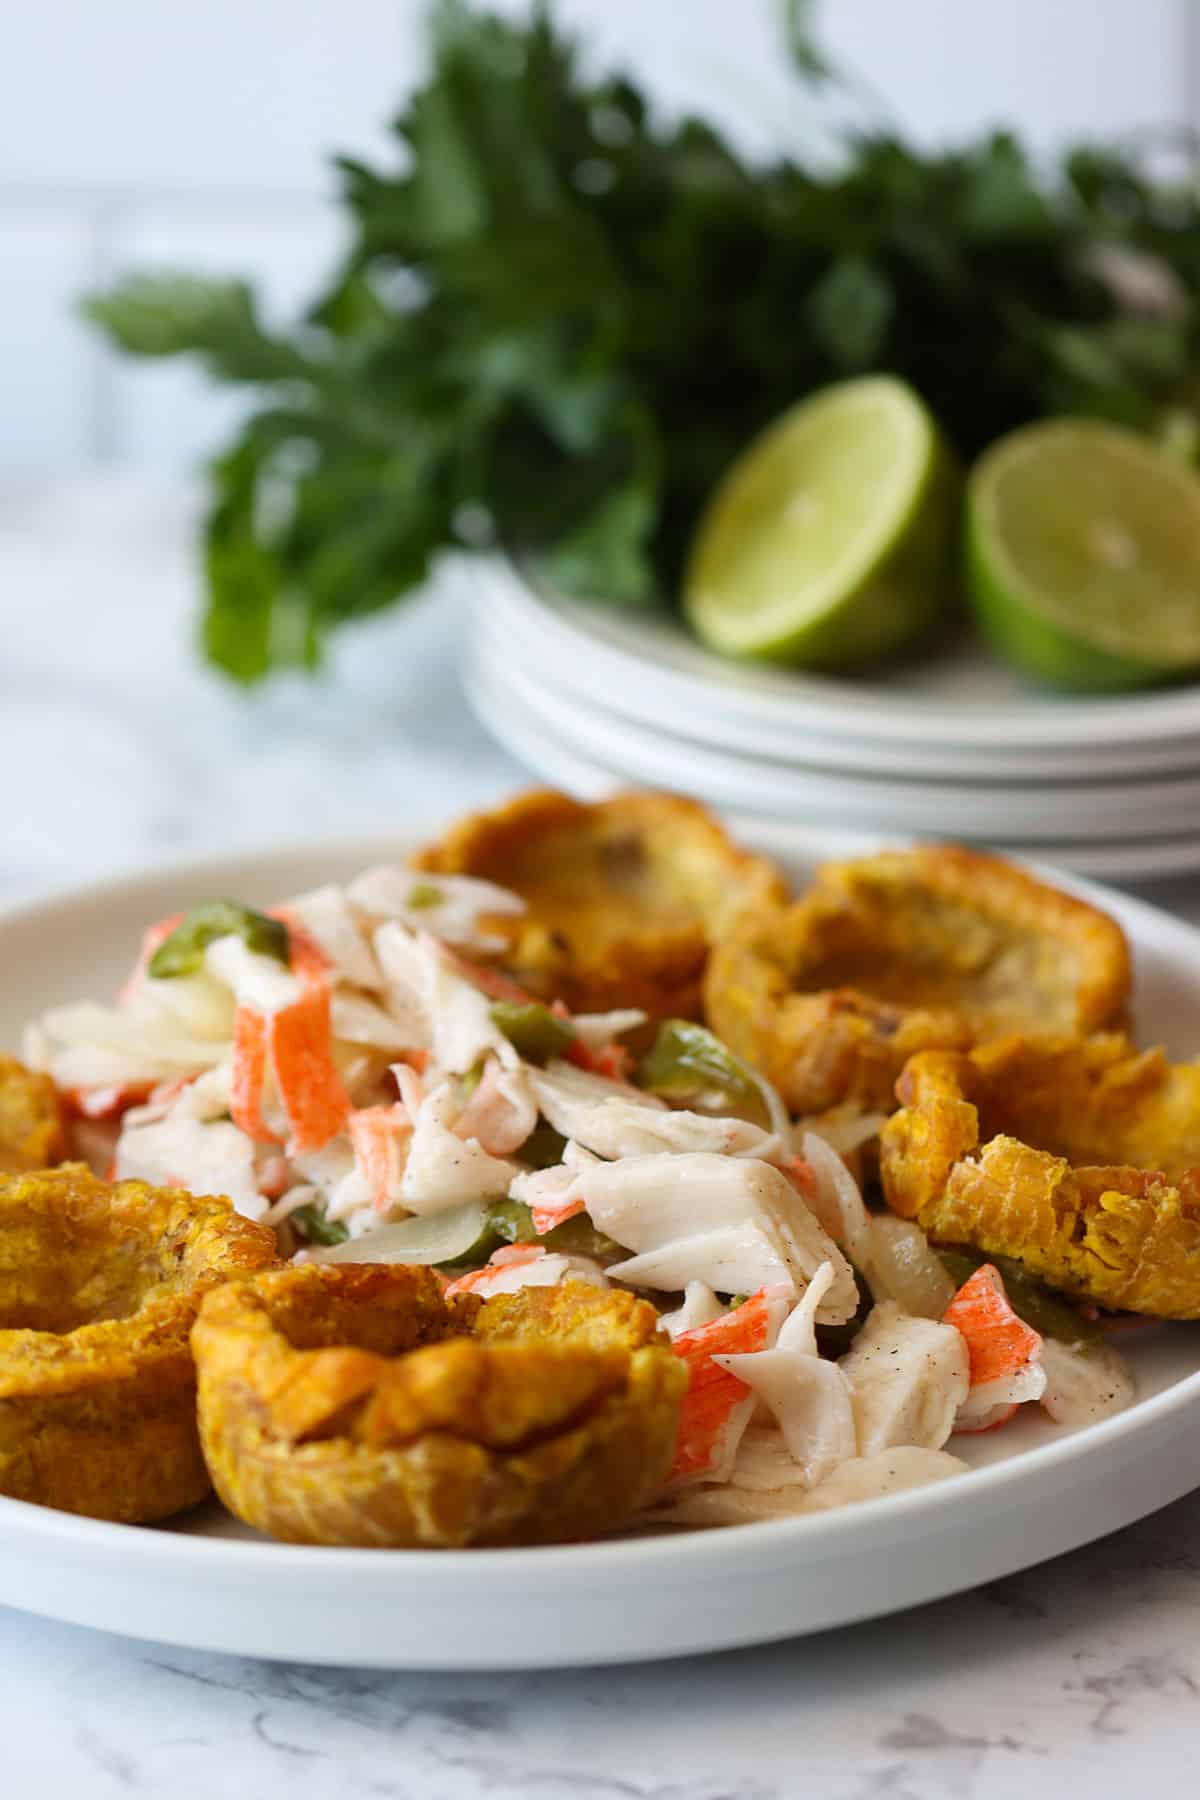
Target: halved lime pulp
x=1083 y=555
x=830 y=540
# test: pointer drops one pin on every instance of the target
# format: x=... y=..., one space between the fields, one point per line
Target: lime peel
x=829 y=541
x=1083 y=556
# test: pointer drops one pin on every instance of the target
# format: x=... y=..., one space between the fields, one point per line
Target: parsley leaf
x=560 y=318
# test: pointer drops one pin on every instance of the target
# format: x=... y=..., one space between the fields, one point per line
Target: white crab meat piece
x=501 y=1112
x=990 y=1403
x=522 y=1266
x=595 y=1030
x=327 y=916
x=449 y=907
x=736 y=1224
x=88 y=1045
x=438 y=1008
x=907 y=1378
x=809 y=1398
x=357 y=1020
x=1084 y=1385
x=442 y=1169
x=615 y=1121
x=569 y=1097
x=183 y=1151
x=700 y=1307
x=254 y=980
x=764 y=1462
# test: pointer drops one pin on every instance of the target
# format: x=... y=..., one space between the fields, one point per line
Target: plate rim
x=1111 y=859
x=513 y=639
x=676 y=1552
x=895 y=719
x=1166 y=804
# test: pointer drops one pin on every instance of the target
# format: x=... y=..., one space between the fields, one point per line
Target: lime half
x=1083 y=555
x=830 y=541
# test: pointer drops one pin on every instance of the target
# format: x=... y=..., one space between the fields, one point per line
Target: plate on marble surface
x=583 y=772
x=206 y=1582
x=953 y=710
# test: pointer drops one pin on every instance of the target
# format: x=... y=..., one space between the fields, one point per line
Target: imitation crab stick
x=249 y=1075
x=717 y=1402
x=489 y=981
x=107 y=1102
x=545 y=1218
x=300 y=1045
x=611 y=1060
x=375 y=1135
x=306 y=959
x=509 y=1257
x=1004 y=1353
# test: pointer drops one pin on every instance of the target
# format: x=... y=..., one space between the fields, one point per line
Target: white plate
x=1031 y=812
x=208 y=1583
x=960 y=711
x=535 y=743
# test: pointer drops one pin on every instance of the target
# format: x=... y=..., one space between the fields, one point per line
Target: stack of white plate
x=951 y=746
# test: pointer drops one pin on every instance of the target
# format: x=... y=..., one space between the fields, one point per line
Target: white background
x=155 y=131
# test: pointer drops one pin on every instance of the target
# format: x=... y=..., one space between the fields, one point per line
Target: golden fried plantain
x=624 y=897
x=1070 y=1205
x=909 y=950
x=353 y=1404
x=99 y=1286
x=32 y=1130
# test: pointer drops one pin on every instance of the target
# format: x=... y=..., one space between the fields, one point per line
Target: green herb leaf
x=183 y=952
x=561 y=316
x=849 y=309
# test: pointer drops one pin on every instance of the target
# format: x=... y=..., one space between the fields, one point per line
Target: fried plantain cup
x=624 y=897
x=1076 y=1206
x=32 y=1126
x=99 y=1287
x=910 y=950
x=352 y=1404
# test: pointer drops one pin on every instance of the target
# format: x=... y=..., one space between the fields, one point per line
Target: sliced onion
x=436 y=1238
x=844 y=1129
x=837 y=1201
x=903 y=1267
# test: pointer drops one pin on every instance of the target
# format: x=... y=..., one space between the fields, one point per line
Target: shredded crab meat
x=907 y=1379
x=527 y=1265
x=719 y=1404
x=357 y=1088
x=1005 y=1354
x=450 y=906
x=1083 y=1385
x=442 y=1169
x=700 y=1307
x=736 y=1224
x=444 y=1012
x=809 y=1398
x=502 y=1111
x=619 y=1123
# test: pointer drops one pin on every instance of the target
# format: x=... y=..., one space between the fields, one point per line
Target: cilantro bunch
x=561 y=318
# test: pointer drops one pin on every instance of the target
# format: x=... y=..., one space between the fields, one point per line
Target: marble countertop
x=118 y=749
